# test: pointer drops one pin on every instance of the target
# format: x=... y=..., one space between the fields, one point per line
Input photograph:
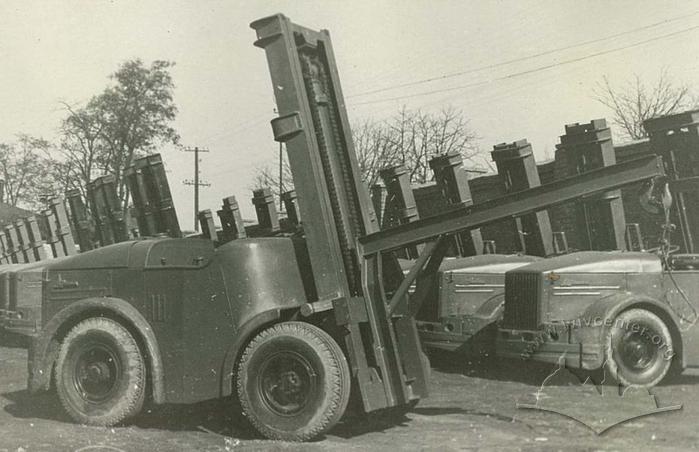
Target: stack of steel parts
x=152 y=200
x=107 y=214
x=598 y=220
x=232 y=226
x=517 y=169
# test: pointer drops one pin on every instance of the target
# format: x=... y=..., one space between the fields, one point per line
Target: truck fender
x=43 y=349
x=243 y=334
x=609 y=307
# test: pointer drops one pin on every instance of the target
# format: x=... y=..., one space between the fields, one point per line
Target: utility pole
x=196 y=182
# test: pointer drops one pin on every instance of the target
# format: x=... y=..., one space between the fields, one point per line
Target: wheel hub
x=287 y=382
x=97 y=370
x=638 y=352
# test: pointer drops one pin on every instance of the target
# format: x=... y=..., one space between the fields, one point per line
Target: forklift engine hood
x=145 y=253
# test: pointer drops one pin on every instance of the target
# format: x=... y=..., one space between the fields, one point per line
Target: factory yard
x=472 y=406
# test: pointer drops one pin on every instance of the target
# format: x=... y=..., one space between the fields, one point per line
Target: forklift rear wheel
x=639 y=349
x=293 y=382
x=100 y=373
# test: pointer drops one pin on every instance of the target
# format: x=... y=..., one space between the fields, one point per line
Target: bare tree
x=267 y=176
x=409 y=138
x=636 y=101
x=374 y=149
x=412 y=138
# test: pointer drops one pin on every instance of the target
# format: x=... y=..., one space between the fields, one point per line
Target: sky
x=516 y=69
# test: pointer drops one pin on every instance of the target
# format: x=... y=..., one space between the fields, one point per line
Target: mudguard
x=243 y=335
x=43 y=349
x=601 y=314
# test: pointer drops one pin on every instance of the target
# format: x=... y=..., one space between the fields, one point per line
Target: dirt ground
x=472 y=406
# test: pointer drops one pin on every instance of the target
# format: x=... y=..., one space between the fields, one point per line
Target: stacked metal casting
x=152 y=200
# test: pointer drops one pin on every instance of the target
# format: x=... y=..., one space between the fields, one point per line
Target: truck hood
x=596 y=262
x=484 y=263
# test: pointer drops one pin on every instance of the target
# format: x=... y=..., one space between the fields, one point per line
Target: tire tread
x=324 y=344
x=135 y=364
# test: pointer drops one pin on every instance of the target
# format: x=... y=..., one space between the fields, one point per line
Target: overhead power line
x=529 y=71
x=520 y=59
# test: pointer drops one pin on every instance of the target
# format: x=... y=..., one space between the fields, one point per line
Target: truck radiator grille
x=522 y=293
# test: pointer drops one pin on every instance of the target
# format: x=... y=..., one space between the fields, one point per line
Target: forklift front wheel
x=293 y=382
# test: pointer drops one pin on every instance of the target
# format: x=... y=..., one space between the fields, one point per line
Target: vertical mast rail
x=336 y=210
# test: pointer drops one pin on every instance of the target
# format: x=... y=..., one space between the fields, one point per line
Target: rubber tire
x=128 y=399
x=325 y=407
x=661 y=366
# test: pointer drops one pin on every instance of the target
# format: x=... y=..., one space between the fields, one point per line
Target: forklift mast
x=384 y=354
x=313 y=125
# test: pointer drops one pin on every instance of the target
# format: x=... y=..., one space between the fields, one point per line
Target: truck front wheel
x=100 y=373
x=639 y=348
x=293 y=382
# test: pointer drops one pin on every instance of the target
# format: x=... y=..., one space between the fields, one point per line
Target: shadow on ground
x=212 y=416
x=523 y=371
x=218 y=416
x=42 y=406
